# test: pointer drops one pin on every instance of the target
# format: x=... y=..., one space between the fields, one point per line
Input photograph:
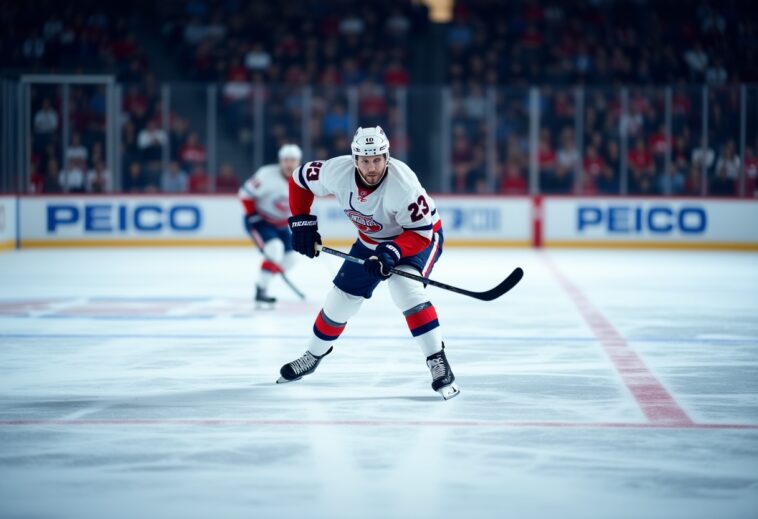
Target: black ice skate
x=298 y=368
x=443 y=380
x=263 y=300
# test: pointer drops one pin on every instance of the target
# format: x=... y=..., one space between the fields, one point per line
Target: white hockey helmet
x=369 y=142
x=290 y=151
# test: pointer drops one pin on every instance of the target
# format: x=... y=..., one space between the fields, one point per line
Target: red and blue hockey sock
x=325 y=332
x=425 y=327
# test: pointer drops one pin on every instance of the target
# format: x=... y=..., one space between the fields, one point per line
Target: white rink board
x=7 y=222
x=485 y=220
x=101 y=218
x=658 y=220
x=219 y=218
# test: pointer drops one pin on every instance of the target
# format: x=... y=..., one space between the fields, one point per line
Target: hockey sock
x=425 y=328
x=325 y=332
x=268 y=271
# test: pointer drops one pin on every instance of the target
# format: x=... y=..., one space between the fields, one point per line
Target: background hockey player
x=398 y=227
x=265 y=200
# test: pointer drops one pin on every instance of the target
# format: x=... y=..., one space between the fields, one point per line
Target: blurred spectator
x=697 y=61
x=640 y=163
x=257 y=58
x=72 y=177
x=134 y=180
x=337 y=121
x=198 y=180
x=546 y=155
x=594 y=168
x=179 y=129
x=226 y=180
x=751 y=172
x=76 y=152
x=174 y=179
x=722 y=185
x=192 y=153
x=513 y=182
x=151 y=141
x=567 y=163
x=703 y=157
x=694 y=182
x=46 y=122
x=52 y=181
x=99 y=179
x=729 y=161
x=674 y=182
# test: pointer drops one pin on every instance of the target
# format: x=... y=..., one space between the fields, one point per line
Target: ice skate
x=443 y=380
x=298 y=368
x=263 y=301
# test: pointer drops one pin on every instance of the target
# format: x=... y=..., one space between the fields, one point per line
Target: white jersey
x=397 y=204
x=269 y=189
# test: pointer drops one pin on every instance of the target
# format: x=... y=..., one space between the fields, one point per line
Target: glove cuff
x=305 y=221
x=392 y=248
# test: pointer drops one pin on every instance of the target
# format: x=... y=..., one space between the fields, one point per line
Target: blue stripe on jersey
x=302 y=180
x=434 y=211
x=423 y=228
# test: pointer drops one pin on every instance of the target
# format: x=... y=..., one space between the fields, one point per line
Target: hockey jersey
x=267 y=194
x=399 y=205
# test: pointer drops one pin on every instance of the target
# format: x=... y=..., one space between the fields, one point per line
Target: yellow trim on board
x=7 y=245
x=609 y=244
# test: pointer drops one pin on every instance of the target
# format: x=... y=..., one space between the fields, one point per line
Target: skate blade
x=449 y=392
x=264 y=306
x=282 y=380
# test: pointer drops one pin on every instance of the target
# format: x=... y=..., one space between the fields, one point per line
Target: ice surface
x=140 y=383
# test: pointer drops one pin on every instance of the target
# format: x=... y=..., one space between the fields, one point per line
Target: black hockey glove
x=305 y=234
x=386 y=256
x=251 y=221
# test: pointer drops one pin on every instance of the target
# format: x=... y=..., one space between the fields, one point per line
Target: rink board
x=484 y=221
x=8 y=231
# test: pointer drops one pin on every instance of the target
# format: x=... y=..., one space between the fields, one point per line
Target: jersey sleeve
x=248 y=193
x=416 y=216
x=312 y=176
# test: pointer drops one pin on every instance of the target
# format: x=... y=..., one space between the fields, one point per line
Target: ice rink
x=140 y=383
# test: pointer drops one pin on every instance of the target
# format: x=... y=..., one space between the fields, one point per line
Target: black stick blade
x=507 y=284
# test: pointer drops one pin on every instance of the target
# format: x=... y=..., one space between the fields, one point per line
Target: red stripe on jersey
x=411 y=243
x=367 y=239
x=437 y=226
x=300 y=199
x=327 y=329
x=249 y=206
x=425 y=316
x=270 y=266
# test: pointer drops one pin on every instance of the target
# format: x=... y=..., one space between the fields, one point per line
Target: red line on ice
x=654 y=400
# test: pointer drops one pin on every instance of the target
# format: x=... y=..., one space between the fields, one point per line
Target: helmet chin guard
x=370 y=142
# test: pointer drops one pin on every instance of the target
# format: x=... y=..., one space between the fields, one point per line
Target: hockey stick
x=292 y=286
x=488 y=295
x=287 y=280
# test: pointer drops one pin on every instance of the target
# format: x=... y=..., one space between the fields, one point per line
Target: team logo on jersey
x=364 y=222
x=282 y=205
x=363 y=194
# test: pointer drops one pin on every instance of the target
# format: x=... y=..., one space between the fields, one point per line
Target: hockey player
x=265 y=200
x=398 y=226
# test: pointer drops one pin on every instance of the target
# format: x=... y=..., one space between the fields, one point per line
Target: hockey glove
x=386 y=256
x=251 y=220
x=305 y=234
